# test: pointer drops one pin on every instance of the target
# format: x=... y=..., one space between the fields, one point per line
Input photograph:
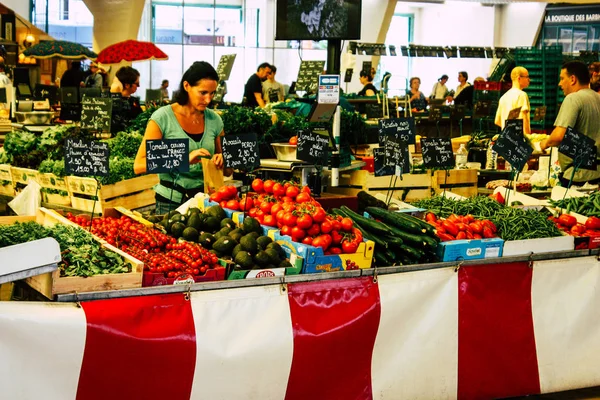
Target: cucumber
x=368 y=224
x=381 y=243
x=382 y=260
x=392 y=218
x=409 y=238
x=412 y=253
x=429 y=229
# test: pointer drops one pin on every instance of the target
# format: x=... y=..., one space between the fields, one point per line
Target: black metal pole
x=334 y=54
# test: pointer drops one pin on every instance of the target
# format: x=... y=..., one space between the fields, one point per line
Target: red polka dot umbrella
x=130 y=50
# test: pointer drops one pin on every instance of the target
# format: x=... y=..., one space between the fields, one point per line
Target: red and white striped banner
x=483 y=332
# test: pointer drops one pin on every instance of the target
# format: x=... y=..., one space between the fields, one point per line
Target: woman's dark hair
x=465 y=74
x=443 y=77
x=198 y=71
x=414 y=78
x=128 y=75
x=579 y=69
x=366 y=74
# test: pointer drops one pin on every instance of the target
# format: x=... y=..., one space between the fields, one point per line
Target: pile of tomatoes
x=227 y=197
x=569 y=224
x=457 y=227
x=159 y=252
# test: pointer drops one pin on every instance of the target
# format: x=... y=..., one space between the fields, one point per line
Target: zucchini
x=392 y=218
x=409 y=238
x=429 y=229
x=381 y=259
x=366 y=200
x=368 y=224
x=412 y=253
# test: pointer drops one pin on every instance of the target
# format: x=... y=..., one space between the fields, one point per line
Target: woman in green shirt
x=188 y=117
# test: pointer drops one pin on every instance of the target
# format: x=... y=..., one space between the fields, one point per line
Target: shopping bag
x=213 y=177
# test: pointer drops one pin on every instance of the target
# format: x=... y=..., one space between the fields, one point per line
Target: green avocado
x=190 y=234
x=252 y=225
x=177 y=229
x=224 y=245
x=227 y=222
x=261 y=258
x=243 y=259
x=216 y=211
x=249 y=244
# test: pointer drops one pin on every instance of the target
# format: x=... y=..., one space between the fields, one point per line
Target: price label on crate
x=397 y=128
x=96 y=113
x=86 y=157
x=379 y=162
x=167 y=155
x=241 y=152
x=313 y=146
x=512 y=145
x=437 y=152
x=396 y=155
x=580 y=148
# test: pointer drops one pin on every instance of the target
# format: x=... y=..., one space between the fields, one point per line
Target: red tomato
x=224 y=192
x=319 y=215
x=292 y=192
x=430 y=217
x=286 y=230
x=335 y=250
x=293 y=140
x=349 y=247
x=328 y=239
x=336 y=225
x=307 y=240
x=258 y=185
x=269 y=220
x=567 y=220
x=326 y=226
x=302 y=197
x=279 y=215
x=450 y=227
x=476 y=226
x=278 y=189
x=260 y=214
x=216 y=197
x=232 y=191
x=487 y=233
x=276 y=208
x=233 y=205
x=252 y=212
x=304 y=222
x=289 y=219
x=306 y=189
x=245 y=204
x=314 y=230
x=223 y=203
x=346 y=224
x=319 y=241
x=461 y=235
x=266 y=206
x=444 y=237
x=268 y=186
x=298 y=234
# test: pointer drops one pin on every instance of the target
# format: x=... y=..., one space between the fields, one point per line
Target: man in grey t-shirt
x=272 y=90
x=581 y=111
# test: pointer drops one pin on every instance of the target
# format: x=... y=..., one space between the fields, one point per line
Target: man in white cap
x=94 y=80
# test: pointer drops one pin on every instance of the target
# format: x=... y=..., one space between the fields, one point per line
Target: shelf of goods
x=411 y=186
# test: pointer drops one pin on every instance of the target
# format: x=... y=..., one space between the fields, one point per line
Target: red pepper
x=567 y=220
x=476 y=226
x=450 y=227
x=461 y=235
x=592 y=223
x=444 y=237
x=487 y=233
x=430 y=217
x=578 y=229
x=498 y=197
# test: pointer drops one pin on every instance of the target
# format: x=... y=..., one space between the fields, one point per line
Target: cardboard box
x=474 y=249
x=159 y=279
x=542 y=245
x=294 y=259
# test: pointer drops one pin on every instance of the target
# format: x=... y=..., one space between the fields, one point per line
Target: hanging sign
x=86 y=157
x=437 y=152
x=580 y=148
x=167 y=155
x=241 y=151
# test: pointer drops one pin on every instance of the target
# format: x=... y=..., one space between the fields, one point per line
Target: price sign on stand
x=580 y=148
x=396 y=155
x=86 y=157
x=96 y=113
x=241 y=152
x=168 y=155
x=381 y=169
x=225 y=66
x=308 y=75
x=512 y=144
x=313 y=146
x=437 y=152
x=397 y=129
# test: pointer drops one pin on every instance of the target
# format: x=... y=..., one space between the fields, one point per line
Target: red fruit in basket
x=216 y=197
x=307 y=241
x=266 y=206
x=346 y=224
x=314 y=230
x=298 y=233
x=292 y=191
x=430 y=217
x=268 y=186
x=233 y=205
x=286 y=230
x=302 y=197
x=349 y=246
x=258 y=185
x=592 y=223
x=578 y=229
x=224 y=192
x=293 y=141
x=450 y=227
x=278 y=189
x=304 y=222
x=245 y=204
x=476 y=226
x=461 y=235
x=276 y=208
x=269 y=220
x=223 y=203
x=319 y=215
x=232 y=191
x=326 y=226
x=279 y=215
x=306 y=189
x=444 y=237
x=290 y=219
x=567 y=220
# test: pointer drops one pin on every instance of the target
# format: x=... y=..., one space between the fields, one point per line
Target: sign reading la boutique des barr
x=572 y=15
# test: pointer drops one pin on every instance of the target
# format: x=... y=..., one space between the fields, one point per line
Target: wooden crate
x=6 y=181
x=459 y=181
x=51 y=181
x=410 y=187
x=23 y=175
x=131 y=193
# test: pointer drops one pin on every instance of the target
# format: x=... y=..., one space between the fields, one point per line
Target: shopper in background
x=439 y=89
x=187 y=118
x=164 y=89
x=253 y=89
x=93 y=80
x=594 y=69
x=116 y=86
x=272 y=90
x=418 y=101
x=73 y=77
x=366 y=78
x=515 y=98
x=127 y=107
x=580 y=110
x=463 y=77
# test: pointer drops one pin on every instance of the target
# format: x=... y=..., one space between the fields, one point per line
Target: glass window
x=399 y=34
x=69 y=20
x=579 y=38
x=550 y=35
x=565 y=38
x=594 y=38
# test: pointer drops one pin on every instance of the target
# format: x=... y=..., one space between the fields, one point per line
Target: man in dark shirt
x=253 y=88
x=73 y=76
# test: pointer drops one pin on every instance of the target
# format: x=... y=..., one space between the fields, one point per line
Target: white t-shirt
x=512 y=99
x=439 y=91
x=4 y=80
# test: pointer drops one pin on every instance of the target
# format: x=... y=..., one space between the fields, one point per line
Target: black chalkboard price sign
x=312 y=146
x=167 y=155
x=396 y=155
x=398 y=128
x=580 y=148
x=86 y=157
x=381 y=169
x=437 y=153
x=241 y=152
x=96 y=113
x=512 y=145
x=225 y=66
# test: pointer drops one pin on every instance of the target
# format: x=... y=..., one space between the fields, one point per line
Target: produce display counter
x=475 y=329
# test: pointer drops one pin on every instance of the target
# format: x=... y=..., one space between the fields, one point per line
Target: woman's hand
x=197 y=154
x=218 y=160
